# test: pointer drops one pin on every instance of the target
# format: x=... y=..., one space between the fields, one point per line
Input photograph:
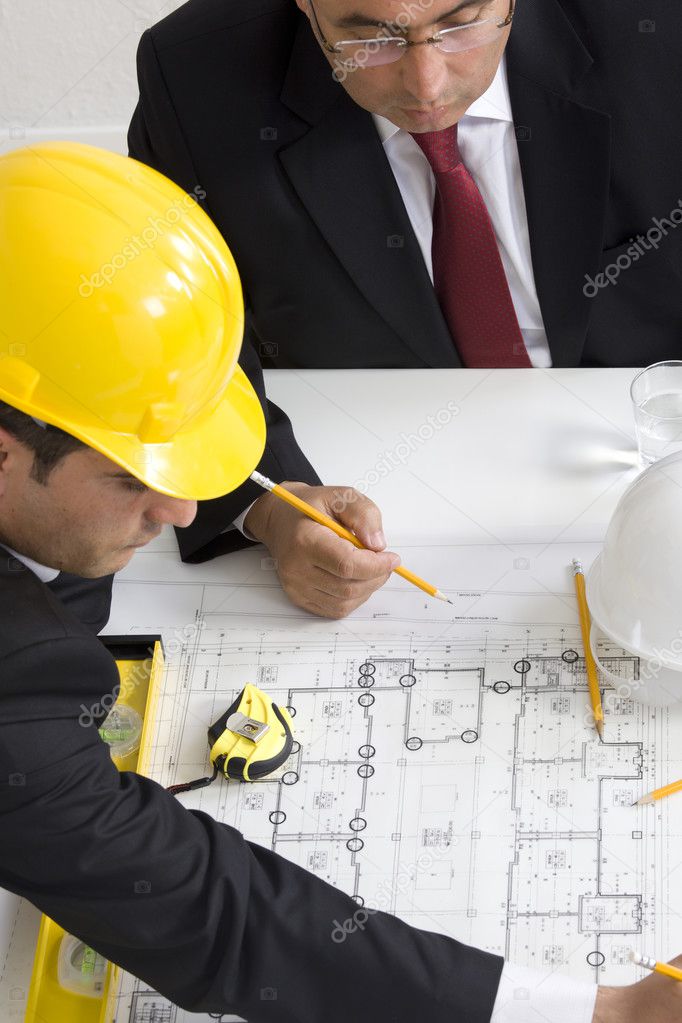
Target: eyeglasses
x=353 y=54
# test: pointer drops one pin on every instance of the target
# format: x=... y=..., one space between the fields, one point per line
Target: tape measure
x=250 y=740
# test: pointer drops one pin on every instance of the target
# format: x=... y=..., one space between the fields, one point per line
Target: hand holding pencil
x=317 y=570
x=333 y=571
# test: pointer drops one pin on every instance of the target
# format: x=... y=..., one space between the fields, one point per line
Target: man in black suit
x=183 y=902
x=565 y=117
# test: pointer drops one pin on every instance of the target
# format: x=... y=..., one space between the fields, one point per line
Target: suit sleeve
x=213 y=922
x=155 y=137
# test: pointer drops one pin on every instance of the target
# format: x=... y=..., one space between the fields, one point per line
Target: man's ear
x=5 y=444
x=10 y=449
x=303 y=6
x=6 y=441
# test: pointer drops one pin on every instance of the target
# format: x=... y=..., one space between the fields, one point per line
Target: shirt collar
x=45 y=574
x=494 y=104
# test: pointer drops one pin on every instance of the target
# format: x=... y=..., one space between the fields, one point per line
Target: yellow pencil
x=667 y=790
x=336 y=527
x=590 y=666
x=650 y=964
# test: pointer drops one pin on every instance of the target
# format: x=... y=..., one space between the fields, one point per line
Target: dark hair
x=49 y=445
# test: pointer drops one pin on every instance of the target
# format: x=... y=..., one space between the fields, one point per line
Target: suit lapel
x=88 y=599
x=340 y=172
x=564 y=150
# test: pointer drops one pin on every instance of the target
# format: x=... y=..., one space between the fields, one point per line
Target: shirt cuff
x=239 y=523
x=533 y=996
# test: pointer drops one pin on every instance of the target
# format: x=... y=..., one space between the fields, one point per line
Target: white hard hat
x=634 y=587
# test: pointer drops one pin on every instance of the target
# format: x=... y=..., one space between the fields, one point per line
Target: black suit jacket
x=236 y=96
x=181 y=901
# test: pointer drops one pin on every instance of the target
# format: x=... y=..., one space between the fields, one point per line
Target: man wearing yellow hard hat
x=121 y=405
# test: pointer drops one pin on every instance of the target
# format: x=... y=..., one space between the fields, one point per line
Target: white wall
x=67 y=68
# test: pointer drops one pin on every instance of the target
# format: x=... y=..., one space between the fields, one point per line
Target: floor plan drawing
x=450 y=777
x=445 y=766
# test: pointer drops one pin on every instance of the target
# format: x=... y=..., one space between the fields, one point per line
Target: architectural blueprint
x=445 y=769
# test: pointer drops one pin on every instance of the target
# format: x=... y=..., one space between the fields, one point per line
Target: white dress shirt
x=537 y=996
x=46 y=575
x=489 y=149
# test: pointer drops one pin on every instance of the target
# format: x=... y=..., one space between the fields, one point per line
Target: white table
x=529 y=454
x=530 y=457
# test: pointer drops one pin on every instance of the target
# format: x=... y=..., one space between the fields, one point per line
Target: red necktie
x=468 y=275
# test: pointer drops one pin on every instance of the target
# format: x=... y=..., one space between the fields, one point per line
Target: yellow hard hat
x=121 y=319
